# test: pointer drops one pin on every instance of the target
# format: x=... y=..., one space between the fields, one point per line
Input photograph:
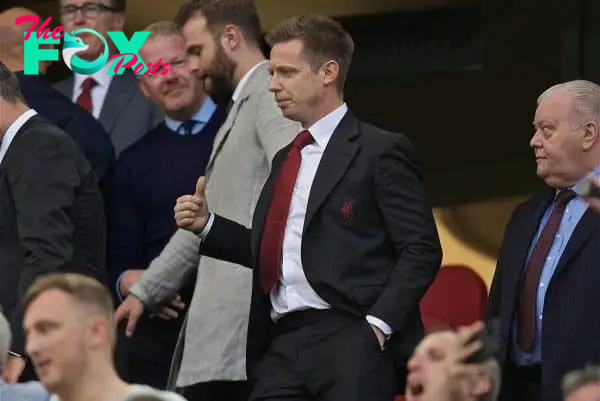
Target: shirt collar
x=202 y=116
x=12 y=131
x=102 y=77
x=240 y=86
x=323 y=129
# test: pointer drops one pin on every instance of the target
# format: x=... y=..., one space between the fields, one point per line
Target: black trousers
x=145 y=358
x=218 y=391
x=324 y=356
x=521 y=383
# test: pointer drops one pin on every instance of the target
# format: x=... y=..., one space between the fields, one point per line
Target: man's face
x=429 y=362
x=557 y=141
x=96 y=15
x=208 y=58
x=297 y=88
x=178 y=92
x=57 y=338
x=589 y=392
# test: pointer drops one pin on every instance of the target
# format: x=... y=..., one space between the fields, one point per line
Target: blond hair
x=85 y=291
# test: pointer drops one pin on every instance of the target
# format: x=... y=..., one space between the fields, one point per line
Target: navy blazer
x=75 y=121
x=571 y=326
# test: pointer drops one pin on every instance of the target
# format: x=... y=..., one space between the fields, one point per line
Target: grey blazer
x=215 y=335
x=126 y=114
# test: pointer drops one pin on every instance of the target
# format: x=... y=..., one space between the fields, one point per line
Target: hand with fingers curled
x=191 y=211
x=593 y=199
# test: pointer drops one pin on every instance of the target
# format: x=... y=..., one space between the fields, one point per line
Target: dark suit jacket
x=126 y=114
x=51 y=215
x=62 y=112
x=379 y=261
x=571 y=326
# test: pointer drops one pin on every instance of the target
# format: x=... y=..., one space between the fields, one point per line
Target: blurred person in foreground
x=170 y=157
x=223 y=43
x=51 y=209
x=595 y=201
x=545 y=288
x=437 y=371
x=343 y=243
x=31 y=391
x=70 y=328
x=50 y=103
x=582 y=384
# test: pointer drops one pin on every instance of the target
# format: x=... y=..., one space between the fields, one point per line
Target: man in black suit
x=343 y=242
x=50 y=103
x=51 y=212
x=545 y=287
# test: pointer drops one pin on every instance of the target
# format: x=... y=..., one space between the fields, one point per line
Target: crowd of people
x=185 y=235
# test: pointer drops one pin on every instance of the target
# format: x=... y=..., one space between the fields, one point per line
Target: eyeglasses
x=88 y=10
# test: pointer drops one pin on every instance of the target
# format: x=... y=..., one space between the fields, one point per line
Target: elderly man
x=437 y=371
x=545 y=285
x=31 y=391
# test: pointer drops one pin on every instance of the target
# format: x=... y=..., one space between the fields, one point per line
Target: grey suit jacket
x=126 y=114
x=215 y=336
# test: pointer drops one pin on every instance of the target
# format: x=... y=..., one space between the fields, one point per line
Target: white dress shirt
x=99 y=91
x=293 y=291
x=12 y=131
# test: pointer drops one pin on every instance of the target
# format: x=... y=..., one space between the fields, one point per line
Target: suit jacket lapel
x=526 y=233
x=340 y=151
x=224 y=132
x=587 y=226
x=258 y=78
x=120 y=91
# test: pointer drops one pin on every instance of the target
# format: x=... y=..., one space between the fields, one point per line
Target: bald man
x=50 y=103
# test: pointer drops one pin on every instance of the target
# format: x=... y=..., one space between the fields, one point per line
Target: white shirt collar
x=13 y=130
x=323 y=129
x=238 y=89
x=101 y=77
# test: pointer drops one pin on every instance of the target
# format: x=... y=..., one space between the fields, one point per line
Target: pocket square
x=348 y=212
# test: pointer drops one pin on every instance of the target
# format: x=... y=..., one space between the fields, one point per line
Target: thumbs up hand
x=191 y=211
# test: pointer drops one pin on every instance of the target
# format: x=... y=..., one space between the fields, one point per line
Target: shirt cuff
x=204 y=233
x=380 y=324
x=11 y=353
x=119 y=294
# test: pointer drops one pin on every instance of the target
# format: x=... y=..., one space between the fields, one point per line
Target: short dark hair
x=324 y=39
x=218 y=13
x=119 y=5
x=10 y=90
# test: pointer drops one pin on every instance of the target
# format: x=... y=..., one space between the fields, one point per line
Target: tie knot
x=302 y=139
x=565 y=196
x=88 y=84
x=188 y=126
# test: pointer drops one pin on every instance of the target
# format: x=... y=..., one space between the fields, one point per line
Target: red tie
x=85 y=98
x=277 y=215
x=526 y=316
